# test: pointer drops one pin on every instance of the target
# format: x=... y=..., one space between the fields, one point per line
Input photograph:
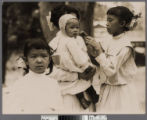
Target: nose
x=39 y=60
x=75 y=30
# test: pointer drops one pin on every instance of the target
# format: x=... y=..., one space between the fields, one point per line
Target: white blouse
x=33 y=94
x=117 y=63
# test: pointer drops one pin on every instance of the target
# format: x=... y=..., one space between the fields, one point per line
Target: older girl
x=117 y=66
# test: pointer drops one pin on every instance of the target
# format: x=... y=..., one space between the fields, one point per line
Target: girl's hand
x=91 y=51
x=90 y=41
x=94 y=48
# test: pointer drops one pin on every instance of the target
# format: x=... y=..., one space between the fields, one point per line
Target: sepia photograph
x=73 y=58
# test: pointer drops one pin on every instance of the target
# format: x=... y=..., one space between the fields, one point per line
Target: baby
x=71 y=57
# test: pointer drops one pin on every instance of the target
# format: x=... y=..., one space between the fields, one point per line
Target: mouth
x=40 y=66
x=75 y=34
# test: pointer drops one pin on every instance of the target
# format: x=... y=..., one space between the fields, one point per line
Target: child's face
x=114 y=26
x=72 y=28
x=38 y=60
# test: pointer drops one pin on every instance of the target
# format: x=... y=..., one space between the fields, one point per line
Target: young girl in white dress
x=70 y=58
x=36 y=92
x=117 y=66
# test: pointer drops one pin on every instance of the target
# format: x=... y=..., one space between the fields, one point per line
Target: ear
x=123 y=23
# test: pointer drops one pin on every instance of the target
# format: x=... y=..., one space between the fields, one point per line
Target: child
x=117 y=94
x=70 y=58
x=36 y=92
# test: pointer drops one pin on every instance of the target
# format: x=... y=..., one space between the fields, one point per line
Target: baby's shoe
x=93 y=95
x=85 y=103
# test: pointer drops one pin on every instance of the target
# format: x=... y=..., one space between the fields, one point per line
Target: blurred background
x=24 y=20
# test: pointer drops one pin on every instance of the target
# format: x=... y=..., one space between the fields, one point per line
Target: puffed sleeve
x=111 y=64
x=79 y=56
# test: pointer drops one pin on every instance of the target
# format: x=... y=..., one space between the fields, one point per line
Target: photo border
x=38 y=117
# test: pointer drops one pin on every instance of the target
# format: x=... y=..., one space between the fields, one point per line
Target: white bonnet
x=63 y=20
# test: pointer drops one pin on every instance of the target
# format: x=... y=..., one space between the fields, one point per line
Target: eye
x=44 y=55
x=72 y=27
x=109 y=20
x=33 y=56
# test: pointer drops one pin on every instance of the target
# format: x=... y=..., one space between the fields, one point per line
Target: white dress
x=117 y=67
x=33 y=94
x=73 y=59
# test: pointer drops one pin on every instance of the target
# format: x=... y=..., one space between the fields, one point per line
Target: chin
x=40 y=72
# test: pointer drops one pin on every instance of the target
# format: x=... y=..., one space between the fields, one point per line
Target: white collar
x=36 y=74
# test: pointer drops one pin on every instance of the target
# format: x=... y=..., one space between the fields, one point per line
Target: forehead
x=38 y=51
x=73 y=22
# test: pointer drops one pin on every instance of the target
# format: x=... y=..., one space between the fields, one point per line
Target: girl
x=36 y=92
x=71 y=58
x=117 y=93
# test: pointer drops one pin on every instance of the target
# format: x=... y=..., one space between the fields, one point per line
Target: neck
x=30 y=71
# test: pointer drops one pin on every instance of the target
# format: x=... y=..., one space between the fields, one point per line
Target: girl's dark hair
x=123 y=14
x=37 y=43
x=60 y=10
